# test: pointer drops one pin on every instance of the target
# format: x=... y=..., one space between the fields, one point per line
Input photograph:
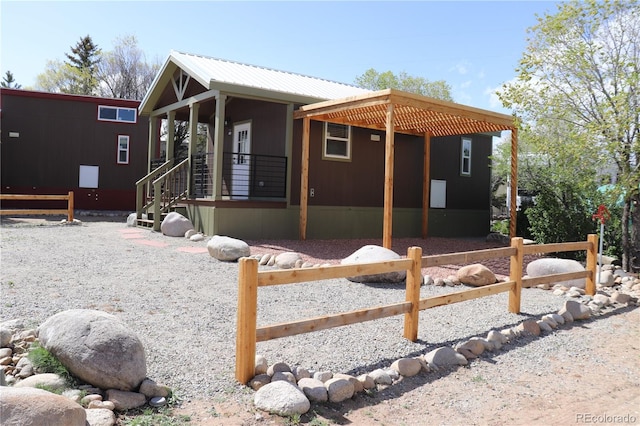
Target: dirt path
x=600 y=385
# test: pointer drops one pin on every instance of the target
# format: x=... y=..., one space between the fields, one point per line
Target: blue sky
x=473 y=45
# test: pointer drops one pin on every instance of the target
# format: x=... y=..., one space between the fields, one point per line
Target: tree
x=9 y=82
x=124 y=72
x=580 y=75
x=59 y=77
x=373 y=80
x=85 y=57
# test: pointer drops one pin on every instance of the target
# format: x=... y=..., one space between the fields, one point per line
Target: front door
x=241 y=161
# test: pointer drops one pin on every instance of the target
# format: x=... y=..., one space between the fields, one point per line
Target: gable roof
x=230 y=76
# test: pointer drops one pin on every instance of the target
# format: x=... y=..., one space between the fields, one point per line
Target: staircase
x=159 y=191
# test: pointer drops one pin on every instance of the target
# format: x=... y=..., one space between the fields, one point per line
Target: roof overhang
x=412 y=114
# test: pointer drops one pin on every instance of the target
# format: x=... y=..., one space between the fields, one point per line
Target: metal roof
x=412 y=114
x=208 y=70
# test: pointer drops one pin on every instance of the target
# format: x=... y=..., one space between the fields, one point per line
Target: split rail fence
x=249 y=279
x=26 y=197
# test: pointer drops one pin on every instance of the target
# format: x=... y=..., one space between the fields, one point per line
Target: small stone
x=339 y=389
x=529 y=327
x=621 y=298
x=259 y=381
x=313 y=389
x=407 y=367
x=544 y=326
x=283 y=375
x=105 y=405
x=380 y=377
x=367 y=381
x=323 y=376
x=158 y=401
x=278 y=366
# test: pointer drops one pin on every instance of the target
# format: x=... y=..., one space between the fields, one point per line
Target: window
x=465 y=157
x=337 y=142
x=121 y=114
x=123 y=149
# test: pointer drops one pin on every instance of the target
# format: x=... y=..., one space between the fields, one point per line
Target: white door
x=241 y=160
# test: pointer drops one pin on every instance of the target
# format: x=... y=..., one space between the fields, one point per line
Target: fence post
x=592 y=264
x=515 y=274
x=70 y=207
x=414 y=281
x=247 y=319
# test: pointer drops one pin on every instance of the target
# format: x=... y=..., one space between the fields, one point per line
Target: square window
x=337 y=142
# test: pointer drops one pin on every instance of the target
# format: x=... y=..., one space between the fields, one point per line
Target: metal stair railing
x=144 y=189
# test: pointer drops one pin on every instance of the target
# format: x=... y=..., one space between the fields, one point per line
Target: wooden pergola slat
x=394 y=111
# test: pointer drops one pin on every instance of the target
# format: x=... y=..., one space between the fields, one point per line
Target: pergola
x=394 y=111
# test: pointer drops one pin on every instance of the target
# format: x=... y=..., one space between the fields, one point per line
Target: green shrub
x=45 y=362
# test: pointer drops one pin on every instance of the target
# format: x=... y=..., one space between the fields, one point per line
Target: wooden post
x=70 y=207
x=514 y=183
x=515 y=274
x=247 y=319
x=304 y=177
x=414 y=281
x=426 y=184
x=388 y=180
x=592 y=264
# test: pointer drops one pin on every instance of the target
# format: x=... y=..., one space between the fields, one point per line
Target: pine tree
x=85 y=57
x=9 y=82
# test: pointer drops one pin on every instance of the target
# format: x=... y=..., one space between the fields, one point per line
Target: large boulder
x=175 y=225
x=550 y=266
x=36 y=407
x=282 y=398
x=476 y=275
x=227 y=248
x=373 y=253
x=96 y=347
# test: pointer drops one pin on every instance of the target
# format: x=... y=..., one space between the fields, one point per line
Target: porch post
x=218 y=145
x=153 y=140
x=388 y=179
x=514 y=183
x=288 y=149
x=426 y=184
x=171 y=135
x=193 y=138
x=304 y=177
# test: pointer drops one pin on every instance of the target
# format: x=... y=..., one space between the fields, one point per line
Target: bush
x=561 y=217
x=45 y=362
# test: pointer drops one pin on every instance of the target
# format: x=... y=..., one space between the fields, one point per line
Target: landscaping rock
x=577 y=310
x=46 y=380
x=281 y=398
x=96 y=347
x=339 y=389
x=227 y=249
x=37 y=407
x=444 y=357
x=175 y=225
x=100 y=417
x=476 y=275
x=313 y=389
x=123 y=400
x=549 y=266
x=288 y=260
x=373 y=253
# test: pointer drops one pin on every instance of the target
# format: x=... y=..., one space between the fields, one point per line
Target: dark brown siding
x=360 y=182
x=57 y=134
x=463 y=192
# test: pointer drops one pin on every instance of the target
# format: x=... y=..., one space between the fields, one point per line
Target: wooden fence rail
x=68 y=211
x=249 y=279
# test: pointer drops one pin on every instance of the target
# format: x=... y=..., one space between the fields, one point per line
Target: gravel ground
x=182 y=303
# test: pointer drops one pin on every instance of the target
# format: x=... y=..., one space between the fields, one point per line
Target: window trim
x=127 y=150
x=326 y=137
x=465 y=143
x=118 y=109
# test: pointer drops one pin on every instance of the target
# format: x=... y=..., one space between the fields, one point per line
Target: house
x=291 y=156
x=54 y=143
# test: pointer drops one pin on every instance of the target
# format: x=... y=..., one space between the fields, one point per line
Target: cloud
x=466 y=84
x=461 y=68
x=494 y=101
